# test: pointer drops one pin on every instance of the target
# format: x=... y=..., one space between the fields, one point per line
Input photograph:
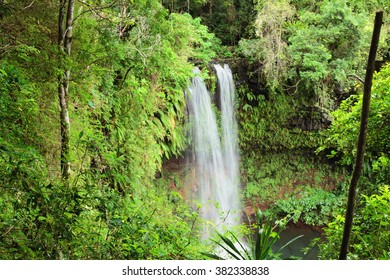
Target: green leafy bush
x=265 y=125
x=129 y=64
x=343 y=133
x=40 y=221
x=323 y=48
x=272 y=176
x=312 y=206
x=143 y=226
x=370 y=237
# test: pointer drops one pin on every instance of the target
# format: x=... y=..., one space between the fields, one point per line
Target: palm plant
x=259 y=248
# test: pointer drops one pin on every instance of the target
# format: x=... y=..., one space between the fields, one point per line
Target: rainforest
x=191 y=130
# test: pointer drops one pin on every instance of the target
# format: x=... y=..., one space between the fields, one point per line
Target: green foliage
x=369 y=7
x=270 y=24
x=259 y=249
x=18 y=106
x=229 y=20
x=52 y=222
x=33 y=215
x=129 y=64
x=144 y=226
x=134 y=94
x=41 y=220
x=343 y=134
x=266 y=124
x=325 y=47
x=295 y=186
x=272 y=176
x=312 y=206
x=161 y=44
x=370 y=232
x=308 y=50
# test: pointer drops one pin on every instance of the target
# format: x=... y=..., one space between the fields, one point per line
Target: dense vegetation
x=92 y=106
x=128 y=67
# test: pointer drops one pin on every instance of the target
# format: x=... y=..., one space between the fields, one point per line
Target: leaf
x=288 y=243
x=212 y=256
x=228 y=251
x=244 y=249
x=2 y=72
x=91 y=104
x=231 y=245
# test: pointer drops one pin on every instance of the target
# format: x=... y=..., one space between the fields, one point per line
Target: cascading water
x=215 y=157
x=229 y=131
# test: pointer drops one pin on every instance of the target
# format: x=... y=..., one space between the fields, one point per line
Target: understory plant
x=258 y=248
x=312 y=206
x=370 y=237
x=269 y=177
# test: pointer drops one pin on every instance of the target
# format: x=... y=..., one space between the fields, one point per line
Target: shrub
x=370 y=237
x=312 y=206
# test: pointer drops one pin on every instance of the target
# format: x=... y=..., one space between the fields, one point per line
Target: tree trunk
x=64 y=47
x=362 y=136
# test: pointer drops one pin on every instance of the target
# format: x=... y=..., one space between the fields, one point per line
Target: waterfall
x=215 y=156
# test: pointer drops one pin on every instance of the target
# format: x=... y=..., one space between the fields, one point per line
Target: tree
x=371 y=229
x=324 y=47
x=362 y=135
x=270 y=29
x=65 y=34
x=227 y=19
x=123 y=87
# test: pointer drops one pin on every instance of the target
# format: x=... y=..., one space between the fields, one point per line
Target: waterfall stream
x=216 y=159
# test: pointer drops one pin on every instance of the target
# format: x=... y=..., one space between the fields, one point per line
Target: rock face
x=311 y=123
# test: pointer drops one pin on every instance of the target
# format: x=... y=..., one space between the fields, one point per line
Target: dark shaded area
x=295 y=248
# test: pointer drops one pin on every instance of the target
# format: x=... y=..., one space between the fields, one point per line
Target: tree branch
x=356 y=77
x=25 y=8
x=95 y=10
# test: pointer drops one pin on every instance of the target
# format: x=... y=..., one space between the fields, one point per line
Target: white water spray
x=216 y=158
